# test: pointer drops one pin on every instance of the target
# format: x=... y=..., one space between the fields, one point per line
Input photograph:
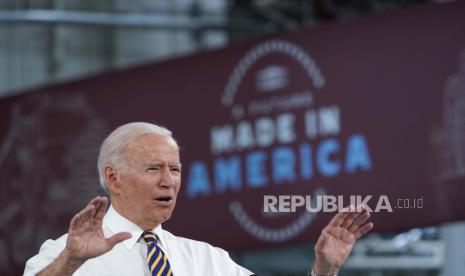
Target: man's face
x=150 y=180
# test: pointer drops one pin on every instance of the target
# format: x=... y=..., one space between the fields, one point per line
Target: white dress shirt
x=187 y=257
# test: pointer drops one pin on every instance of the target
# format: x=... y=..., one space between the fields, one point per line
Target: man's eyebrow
x=152 y=164
x=160 y=163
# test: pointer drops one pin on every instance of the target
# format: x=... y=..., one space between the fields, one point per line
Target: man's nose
x=167 y=179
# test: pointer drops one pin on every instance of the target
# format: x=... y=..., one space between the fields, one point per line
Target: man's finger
x=80 y=217
x=354 y=213
x=361 y=219
x=119 y=237
x=89 y=213
x=74 y=222
x=363 y=230
x=349 y=219
x=92 y=201
x=339 y=218
x=101 y=208
x=91 y=209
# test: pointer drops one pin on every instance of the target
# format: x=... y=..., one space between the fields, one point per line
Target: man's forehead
x=154 y=140
x=152 y=144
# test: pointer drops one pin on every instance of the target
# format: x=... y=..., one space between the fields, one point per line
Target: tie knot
x=149 y=237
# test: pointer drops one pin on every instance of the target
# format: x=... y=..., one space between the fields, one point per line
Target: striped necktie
x=157 y=261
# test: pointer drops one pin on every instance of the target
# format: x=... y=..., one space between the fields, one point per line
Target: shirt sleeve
x=48 y=252
x=232 y=268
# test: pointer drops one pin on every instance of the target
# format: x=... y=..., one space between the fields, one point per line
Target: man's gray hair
x=112 y=148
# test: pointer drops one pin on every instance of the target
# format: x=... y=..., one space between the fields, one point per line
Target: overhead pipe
x=158 y=21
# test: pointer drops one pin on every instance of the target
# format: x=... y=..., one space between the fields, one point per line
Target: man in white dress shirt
x=139 y=166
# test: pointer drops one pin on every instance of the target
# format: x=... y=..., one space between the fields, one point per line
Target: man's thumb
x=117 y=238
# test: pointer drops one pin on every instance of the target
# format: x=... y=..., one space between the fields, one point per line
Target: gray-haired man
x=139 y=166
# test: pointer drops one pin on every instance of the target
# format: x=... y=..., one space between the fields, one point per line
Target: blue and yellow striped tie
x=158 y=263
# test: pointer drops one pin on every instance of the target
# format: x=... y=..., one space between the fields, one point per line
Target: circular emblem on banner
x=272 y=79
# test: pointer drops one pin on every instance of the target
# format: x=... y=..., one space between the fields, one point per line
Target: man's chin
x=163 y=212
x=165 y=217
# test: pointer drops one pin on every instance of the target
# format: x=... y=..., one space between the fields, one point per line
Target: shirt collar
x=117 y=223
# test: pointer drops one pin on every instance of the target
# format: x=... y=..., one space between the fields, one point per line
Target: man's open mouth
x=164 y=199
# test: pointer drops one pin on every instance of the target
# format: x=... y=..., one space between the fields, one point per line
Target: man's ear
x=111 y=178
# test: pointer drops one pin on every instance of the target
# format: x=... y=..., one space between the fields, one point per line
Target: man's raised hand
x=338 y=237
x=85 y=240
x=85 y=235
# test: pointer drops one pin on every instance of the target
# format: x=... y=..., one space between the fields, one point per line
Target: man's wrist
x=69 y=262
x=63 y=265
x=323 y=269
x=312 y=272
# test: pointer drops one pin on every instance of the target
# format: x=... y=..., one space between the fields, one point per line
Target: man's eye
x=152 y=169
x=175 y=169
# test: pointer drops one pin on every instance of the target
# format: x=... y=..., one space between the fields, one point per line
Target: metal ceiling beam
x=157 y=21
